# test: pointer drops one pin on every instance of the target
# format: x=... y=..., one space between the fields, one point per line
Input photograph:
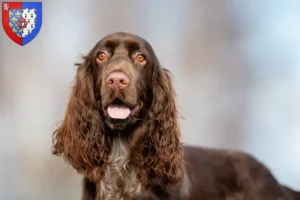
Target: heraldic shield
x=22 y=21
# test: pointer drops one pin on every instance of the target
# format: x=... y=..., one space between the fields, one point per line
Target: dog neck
x=120 y=179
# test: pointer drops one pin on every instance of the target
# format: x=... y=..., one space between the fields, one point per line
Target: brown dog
x=121 y=132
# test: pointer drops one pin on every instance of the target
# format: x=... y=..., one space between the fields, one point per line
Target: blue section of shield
x=38 y=25
x=14 y=16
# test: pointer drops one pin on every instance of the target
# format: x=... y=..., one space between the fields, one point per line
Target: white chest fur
x=119 y=181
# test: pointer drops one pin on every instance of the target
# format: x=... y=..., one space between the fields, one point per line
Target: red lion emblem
x=22 y=23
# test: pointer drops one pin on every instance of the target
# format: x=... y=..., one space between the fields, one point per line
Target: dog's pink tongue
x=118 y=112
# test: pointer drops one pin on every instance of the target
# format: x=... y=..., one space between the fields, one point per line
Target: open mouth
x=120 y=110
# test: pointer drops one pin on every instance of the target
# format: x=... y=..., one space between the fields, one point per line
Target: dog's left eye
x=140 y=58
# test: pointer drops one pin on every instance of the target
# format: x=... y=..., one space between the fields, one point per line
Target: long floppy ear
x=163 y=153
x=80 y=138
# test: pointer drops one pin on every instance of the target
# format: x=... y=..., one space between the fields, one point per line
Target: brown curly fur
x=159 y=152
x=80 y=137
x=83 y=140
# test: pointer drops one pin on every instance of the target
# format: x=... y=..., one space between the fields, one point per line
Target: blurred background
x=236 y=67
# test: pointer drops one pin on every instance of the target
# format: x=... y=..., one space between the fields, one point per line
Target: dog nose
x=117 y=80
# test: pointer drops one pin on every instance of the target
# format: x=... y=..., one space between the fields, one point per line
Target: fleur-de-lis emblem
x=5 y=6
x=18 y=13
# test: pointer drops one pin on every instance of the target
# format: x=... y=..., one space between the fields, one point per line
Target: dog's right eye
x=101 y=57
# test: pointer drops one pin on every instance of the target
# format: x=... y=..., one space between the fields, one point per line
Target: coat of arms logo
x=22 y=21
